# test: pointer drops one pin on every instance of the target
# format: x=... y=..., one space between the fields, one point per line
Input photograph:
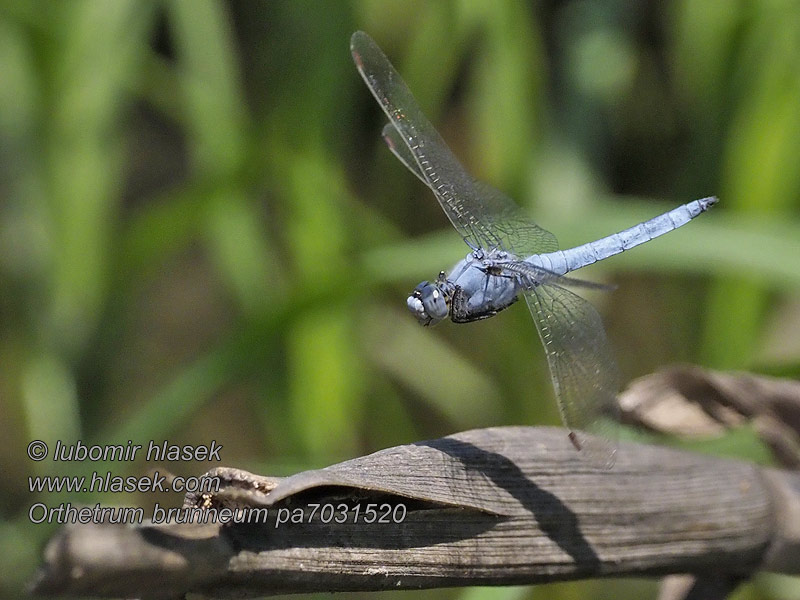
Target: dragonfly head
x=430 y=302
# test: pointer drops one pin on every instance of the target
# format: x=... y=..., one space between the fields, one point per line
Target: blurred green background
x=203 y=237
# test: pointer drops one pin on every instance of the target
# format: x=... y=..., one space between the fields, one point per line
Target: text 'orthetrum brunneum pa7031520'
x=510 y=256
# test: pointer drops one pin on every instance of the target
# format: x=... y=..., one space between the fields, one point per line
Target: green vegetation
x=202 y=236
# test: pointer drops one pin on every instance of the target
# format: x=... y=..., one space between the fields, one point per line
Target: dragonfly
x=511 y=257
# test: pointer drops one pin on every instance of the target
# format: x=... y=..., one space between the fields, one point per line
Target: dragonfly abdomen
x=564 y=261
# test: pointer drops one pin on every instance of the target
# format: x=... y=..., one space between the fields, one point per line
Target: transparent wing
x=532 y=273
x=484 y=217
x=513 y=230
x=582 y=367
x=517 y=232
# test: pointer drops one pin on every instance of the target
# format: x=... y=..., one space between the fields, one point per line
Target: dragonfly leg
x=486 y=280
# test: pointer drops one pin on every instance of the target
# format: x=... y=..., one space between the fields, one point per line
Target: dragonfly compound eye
x=428 y=303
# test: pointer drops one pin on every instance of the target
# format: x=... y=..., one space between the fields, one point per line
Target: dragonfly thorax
x=476 y=288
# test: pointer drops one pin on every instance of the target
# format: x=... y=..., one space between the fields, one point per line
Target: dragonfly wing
x=582 y=368
x=398 y=147
x=531 y=274
x=517 y=232
x=484 y=222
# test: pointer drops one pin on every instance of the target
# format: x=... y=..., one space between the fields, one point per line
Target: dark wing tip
x=354 y=39
x=358 y=40
x=361 y=45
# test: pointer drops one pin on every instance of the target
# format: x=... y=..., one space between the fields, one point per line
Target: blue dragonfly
x=512 y=257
